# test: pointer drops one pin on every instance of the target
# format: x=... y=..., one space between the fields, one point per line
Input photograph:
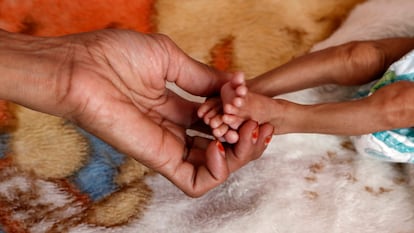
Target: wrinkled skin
x=112 y=83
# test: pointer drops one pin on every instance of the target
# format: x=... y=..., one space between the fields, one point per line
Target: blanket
x=55 y=177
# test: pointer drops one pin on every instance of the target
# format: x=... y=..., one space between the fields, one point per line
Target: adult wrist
x=30 y=68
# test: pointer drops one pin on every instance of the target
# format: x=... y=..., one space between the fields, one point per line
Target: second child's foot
x=233 y=96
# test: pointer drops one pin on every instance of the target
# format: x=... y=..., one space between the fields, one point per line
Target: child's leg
x=391 y=145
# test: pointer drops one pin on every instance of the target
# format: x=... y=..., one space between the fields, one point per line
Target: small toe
x=216 y=121
x=231 y=136
x=220 y=131
x=238 y=102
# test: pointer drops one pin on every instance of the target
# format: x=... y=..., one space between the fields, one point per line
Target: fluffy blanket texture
x=303 y=183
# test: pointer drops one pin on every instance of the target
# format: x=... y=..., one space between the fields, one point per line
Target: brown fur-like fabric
x=46 y=145
x=262 y=34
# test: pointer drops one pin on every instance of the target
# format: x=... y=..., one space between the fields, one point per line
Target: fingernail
x=255 y=135
x=268 y=139
x=220 y=148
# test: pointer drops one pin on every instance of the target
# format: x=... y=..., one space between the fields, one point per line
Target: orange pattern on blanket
x=6 y=162
x=35 y=17
x=10 y=225
x=222 y=54
x=7 y=118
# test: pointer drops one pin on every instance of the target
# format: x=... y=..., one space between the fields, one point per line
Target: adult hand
x=113 y=84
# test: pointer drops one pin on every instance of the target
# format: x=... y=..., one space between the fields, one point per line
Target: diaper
x=391 y=145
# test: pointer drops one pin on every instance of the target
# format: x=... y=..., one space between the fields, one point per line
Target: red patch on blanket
x=53 y=18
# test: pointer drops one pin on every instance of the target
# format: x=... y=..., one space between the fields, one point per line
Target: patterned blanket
x=55 y=177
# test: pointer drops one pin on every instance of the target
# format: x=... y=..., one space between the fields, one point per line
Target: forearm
x=389 y=108
x=345 y=118
x=307 y=71
x=354 y=63
x=394 y=48
x=29 y=67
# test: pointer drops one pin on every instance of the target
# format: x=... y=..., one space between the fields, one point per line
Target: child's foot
x=236 y=106
x=233 y=96
x=212 y=111
x=240 y=105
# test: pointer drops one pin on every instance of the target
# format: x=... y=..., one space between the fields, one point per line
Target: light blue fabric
x=392 y=142
x=394 y=145
x=96 y=178
x=4 y=139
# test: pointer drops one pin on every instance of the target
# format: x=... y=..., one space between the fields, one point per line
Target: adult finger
x=189 y=74
x=251 y=145
x=197 y=180
x=220 y=161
